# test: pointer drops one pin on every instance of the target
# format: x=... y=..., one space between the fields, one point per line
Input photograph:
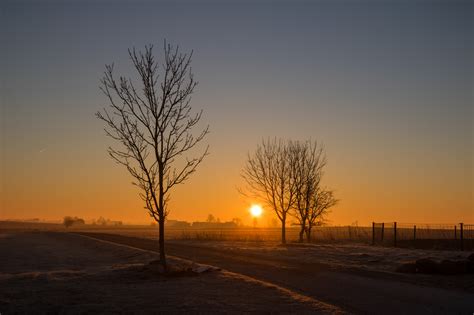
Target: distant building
x=177 y=224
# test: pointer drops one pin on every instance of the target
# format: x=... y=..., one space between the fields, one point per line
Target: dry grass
x=324 y=234
x=320 y=234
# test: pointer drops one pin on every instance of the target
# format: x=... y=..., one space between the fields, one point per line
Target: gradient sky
x=387 y=86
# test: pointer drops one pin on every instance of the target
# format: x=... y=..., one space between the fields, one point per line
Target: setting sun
x=256 y=210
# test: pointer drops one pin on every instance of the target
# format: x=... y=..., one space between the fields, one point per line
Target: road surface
x=352 y=291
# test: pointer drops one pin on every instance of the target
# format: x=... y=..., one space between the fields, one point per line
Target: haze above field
x=387 y=87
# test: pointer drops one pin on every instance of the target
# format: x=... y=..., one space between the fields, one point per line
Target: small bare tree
x=153 y=125
x=323 y=200
x=307 y=163
x=268 y=176
x=210 y=218
x=69 y=221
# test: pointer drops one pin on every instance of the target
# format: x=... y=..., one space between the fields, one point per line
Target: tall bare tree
x=268 y=176
x=307 y=170
x=153 y=124
x=323 y=200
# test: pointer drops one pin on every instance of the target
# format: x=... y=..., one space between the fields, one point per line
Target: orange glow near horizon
x=101 y=188
x=104 y=189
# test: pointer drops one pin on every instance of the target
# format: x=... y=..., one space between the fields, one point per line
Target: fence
x=442 y=236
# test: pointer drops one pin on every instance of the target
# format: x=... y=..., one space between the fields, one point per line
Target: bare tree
x=323 y=200
x=153 y=125
x=69 y=221
x=307 y=169
x=268 y=176
x=210 y=218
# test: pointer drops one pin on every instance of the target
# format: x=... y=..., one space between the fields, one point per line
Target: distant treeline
x=70 y=221
x=104 y=221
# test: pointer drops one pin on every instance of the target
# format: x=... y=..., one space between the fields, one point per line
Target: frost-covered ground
x=365 y=257
x=344 y=254
x=47 y=272
x=64 y=272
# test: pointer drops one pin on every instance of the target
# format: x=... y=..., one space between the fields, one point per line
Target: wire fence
x=469 y=231
x=442 y=236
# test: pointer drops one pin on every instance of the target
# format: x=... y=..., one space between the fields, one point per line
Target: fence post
x=395 y=234
x=383 y=228
x=373 y=233
x=461 y=234
x=414 y=233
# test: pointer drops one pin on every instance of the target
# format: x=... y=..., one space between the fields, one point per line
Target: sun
x=256 y=210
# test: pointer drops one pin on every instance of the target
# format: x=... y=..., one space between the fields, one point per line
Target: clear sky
x=387 y=86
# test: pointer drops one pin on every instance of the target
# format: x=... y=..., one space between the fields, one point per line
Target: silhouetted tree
x=69 y=221
x=323 y=200
x=102 y=221
x=153 y=125
x=210 y=218
x=268 y=174
x=308 y=161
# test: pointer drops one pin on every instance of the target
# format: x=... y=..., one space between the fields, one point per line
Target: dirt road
x=354 y=292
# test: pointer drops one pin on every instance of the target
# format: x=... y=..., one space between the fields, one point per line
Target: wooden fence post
x=461 y=235
x=414 y=233
x=373 y=233
x=383 y=228
x=395 y=234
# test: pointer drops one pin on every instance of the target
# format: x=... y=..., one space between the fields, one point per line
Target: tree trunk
x=308 y=234
x=162 y=243
x=283 y=230
x=302 y=232
x=161 y=215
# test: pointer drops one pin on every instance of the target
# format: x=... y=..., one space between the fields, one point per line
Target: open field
x=358 y=234
x=92 y=271
x=427 y=236
x=50 y=272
